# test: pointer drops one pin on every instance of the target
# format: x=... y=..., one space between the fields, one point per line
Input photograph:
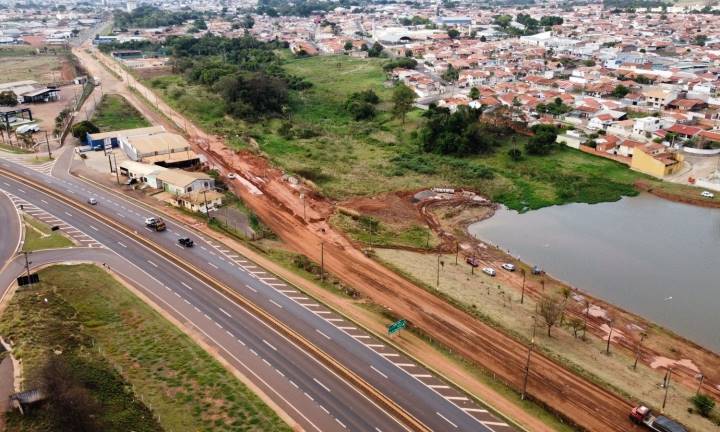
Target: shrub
x=80 y=130
x=704 y=404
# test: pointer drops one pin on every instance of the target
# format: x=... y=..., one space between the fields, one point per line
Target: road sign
x=397 y=326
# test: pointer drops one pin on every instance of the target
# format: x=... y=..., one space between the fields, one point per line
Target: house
x=180 y=182
x=658 y=97
x=684 y=131
x=164 y=149
x=656 y=160
x=645 y=125
x=142 y=173
x=201 y=202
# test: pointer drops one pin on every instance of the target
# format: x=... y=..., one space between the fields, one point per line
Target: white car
x=151 y=221
x=232 y=176
x=509 y=267
x=488 y=271
x=92 y=201
x=707 y=194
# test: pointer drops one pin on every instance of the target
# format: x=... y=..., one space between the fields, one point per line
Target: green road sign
x=397 y=326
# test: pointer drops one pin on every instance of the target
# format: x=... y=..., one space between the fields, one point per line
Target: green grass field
x=116 y=113
x=38 y=235
x=347 y=158
x=157 y=362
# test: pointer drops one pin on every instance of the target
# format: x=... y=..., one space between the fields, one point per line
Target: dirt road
x=279 y=205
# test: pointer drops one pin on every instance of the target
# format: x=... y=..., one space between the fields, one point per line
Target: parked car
x=509 y=267
x=472 y=261
x=489 y=271
x=707 y=194
x=186 y=242
x=536 y=270
x=232 y=176
x=92 y=201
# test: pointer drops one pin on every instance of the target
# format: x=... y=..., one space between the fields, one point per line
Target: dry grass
x=491 y=299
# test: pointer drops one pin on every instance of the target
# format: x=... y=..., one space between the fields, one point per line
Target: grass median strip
x=38 y=236
x=90 y=315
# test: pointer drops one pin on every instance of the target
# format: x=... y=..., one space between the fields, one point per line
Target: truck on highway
x=642 y=415
x=155 y=223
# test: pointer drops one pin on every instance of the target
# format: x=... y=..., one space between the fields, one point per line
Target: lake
x=635 y=253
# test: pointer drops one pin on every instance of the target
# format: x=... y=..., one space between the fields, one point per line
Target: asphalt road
x=306 y=390
x=10 y=230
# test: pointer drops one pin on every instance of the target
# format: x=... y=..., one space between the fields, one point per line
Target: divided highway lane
x=397 y=377
x=10 y=230
x=285 y=373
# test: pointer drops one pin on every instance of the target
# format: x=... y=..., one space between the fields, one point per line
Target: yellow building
x=656 y=160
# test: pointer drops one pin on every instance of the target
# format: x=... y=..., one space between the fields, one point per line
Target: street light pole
x=702 y=378
x=207 y=212
x=322 y=261
x=637 y=351
x=437 y=284
x=522 y=292
x=607 y=349
x=667 y=387
x=117 y=171
x=27 y=266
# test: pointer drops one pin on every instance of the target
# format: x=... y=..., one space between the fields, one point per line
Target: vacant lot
x=22 y=63
x=116 y=113
x=88 y=313
x=348 y=158
x=494 y=301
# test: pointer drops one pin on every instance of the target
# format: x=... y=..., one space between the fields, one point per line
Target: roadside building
x=180 y=182
x=142 y=173
x=197 y=201
x=164 y=149
x=46 y=94
x=98 y=140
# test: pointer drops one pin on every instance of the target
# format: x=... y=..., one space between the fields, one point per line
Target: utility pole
x=47 y=141
x=667 y=387
x=117 y=171
x=527 y=363
x=702 y=378
x=522 y=292
x=207 y=212
x=457 y=252
x=27 y=266
x=437 y=284
x=322 y=261
x=637 y=350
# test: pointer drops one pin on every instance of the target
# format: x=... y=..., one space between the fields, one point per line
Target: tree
x=73 y=406
x=515 y=154
x=503 y=20
x=408 y=52
x=474 y=93
x=362 y=104
x=200 y=24
x=700 y=40
x=543 y=141
x=483 y=38
x=375 y=50
x=348 y=46
x=253 y=95
x=576 y=324
x=403 y=99
x=551 y=308
x=80 y=130
x=8 y=98
x=453 y=33
x=620 y=91
x=704 y=404
x=247 y=22
x=451 y=74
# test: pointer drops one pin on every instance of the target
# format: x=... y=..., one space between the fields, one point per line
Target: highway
x=312 y=394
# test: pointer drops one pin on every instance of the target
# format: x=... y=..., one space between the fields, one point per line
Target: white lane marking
x=439 y=386
x=208 y=317
x=326 y=336
x=405 y=364
x=218 y=324
x=279 y=373
x=492 y=423
x=309 y=397
x=250 y=288
x=381 y=374
x=212 y=265
x=446 y=419
x=253 y=351
x=93 y=228
x=321 y=385
x=422 y=375
x=223 y=311
x=241 y=342
x=451 y=398
x=68 y=214
x=341 y=423
x=176 y=294
x=44 y=201
x=152 y=263
x=269 y=344
x=276 y=304
x=293 y=384
x=186 y=285
x=375 y=345
x=323 y=312
x=196 y=308
x=121 y=244
x=390 y=354
x=361 y=336
x=203 y=248
x=20 y=190
x=334 y=319
x=347 y=328
x=480 y=410
x=324 y=409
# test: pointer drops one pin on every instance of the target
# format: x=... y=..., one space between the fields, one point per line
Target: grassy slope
x=185 y=386
x=39 y=236
x=115 y=113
